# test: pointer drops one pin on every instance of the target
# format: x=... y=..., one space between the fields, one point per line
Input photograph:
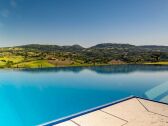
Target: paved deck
x=132 y=112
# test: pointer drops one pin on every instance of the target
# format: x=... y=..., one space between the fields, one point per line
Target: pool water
x=34 y=96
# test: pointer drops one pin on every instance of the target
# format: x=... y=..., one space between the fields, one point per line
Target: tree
x=156 y=56
x=9 y=64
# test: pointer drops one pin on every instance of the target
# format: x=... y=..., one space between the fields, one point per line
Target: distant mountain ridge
x=155 y=48
x=98 y=46
x=110 y=45
x=37 y=55
x=52 y=47
x=106 y=52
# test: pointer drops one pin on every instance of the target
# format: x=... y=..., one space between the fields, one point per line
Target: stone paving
x=132 y=112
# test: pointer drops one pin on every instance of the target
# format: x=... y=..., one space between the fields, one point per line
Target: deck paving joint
x=113 y=115
x=149 y=110
x=143 y=105
x=75 y=123
x=128 y=112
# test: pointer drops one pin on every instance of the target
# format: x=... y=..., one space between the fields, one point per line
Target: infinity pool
x=35 y=96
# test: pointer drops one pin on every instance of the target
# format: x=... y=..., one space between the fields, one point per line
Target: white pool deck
x=131 y=112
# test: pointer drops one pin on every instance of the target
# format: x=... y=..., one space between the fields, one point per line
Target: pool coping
x=66 y=118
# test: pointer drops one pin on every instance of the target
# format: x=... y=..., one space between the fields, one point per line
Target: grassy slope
x=34 y=64
x=2 y=64
x=19 y=61
x=15 y=59
x=159 y=63
x=45 y=63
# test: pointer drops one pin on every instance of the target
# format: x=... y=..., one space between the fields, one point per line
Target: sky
x=84 y=22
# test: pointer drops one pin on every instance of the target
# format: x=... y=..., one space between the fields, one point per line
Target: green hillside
x=35 y=55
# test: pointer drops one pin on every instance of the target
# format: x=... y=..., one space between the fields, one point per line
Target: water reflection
x=34 y=96
x=104 y=69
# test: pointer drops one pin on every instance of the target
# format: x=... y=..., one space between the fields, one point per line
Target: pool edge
x=57 y=121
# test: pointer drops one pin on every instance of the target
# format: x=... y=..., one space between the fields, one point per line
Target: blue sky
x=84 y=22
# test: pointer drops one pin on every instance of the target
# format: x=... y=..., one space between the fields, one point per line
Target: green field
x=41 y=56
x=33 y=64
x=14 y=59
x=157 y=63
x=2 y=64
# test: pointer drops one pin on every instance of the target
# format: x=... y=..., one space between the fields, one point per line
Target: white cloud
x=5 y=13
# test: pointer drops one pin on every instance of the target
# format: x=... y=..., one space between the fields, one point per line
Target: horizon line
x=15 y=45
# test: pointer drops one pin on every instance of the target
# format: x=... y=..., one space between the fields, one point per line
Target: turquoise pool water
x=32 y=97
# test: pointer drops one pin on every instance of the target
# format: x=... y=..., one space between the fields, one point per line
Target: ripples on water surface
x=34 y=96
